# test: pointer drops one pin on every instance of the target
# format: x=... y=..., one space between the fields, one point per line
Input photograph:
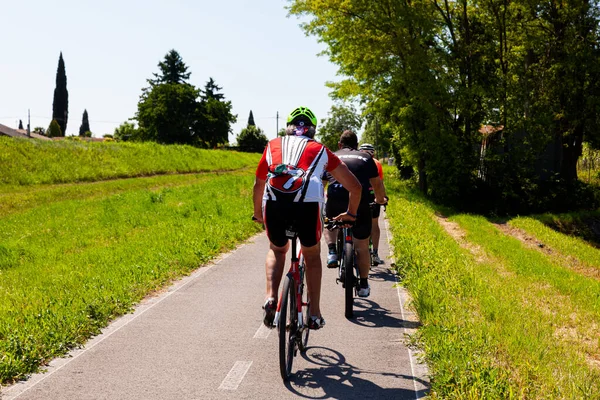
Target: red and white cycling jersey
x=292 y=167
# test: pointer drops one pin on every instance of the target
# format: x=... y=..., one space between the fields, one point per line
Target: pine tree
x=60 y=105
x=85 y=124
x=172 y=70
x=251 y=119
x=20 y=124
x=211 y=89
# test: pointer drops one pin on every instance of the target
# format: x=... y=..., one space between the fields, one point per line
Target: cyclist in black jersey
x=363 y=167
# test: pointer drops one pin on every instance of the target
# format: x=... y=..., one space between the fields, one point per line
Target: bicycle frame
x=296 y=271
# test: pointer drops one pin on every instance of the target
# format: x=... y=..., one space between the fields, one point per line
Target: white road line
x=236 y=375
x=410 y=354
x=262 y=332
x=12 y=392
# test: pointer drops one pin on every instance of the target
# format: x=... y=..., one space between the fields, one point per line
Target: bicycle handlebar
x=332 y=224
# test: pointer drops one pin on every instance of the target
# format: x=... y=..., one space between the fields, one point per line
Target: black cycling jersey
x=362 y=166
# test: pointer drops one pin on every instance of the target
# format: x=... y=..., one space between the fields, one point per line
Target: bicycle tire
x=305 y=308
x=349 y=281
x=287 y=327
x=339 y=248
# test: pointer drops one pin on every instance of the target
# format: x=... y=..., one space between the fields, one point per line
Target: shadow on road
x=370 y=314
x=338 y=379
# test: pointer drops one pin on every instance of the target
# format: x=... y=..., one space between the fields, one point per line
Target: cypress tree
x=20 y=124
x=85 y=124
x=60 y=105
x=251 y=119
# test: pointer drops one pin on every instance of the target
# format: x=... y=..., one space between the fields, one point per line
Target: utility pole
x=277 y=125
x=28 y=123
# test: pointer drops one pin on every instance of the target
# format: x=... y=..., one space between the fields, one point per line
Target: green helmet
x=302 y=112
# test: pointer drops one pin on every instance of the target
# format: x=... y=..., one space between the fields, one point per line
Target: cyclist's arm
x=343 y=175
x=379 y=189
x=257 y=195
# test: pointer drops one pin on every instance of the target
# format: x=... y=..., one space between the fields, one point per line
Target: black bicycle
x=348 y=272
x=293 y=311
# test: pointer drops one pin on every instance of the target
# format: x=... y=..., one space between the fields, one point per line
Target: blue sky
x=260 y=57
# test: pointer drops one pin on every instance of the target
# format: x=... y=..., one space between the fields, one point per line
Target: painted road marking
x=262 y=332
x=236 y=375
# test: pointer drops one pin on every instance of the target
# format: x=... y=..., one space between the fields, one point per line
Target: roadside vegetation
x=68 y=267
x=29 y=162
x=499 y=319
x=79 y=247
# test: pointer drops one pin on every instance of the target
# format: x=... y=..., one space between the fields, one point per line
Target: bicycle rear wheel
x=349 y=281
x=287 y=327
x=305 y=308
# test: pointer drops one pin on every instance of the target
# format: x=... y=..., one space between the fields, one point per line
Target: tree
x=168 y=113
x=215 y=124
x=252 y=139
x=85 y=124
x=172 y=70
x=126 y=131
x=168 y=110
x=39 y=130
x=211 y=89
x=340 y=118
x=54 y=129
x=20 y=124
x=251 y=119
x=60 y=105
x=434 y=72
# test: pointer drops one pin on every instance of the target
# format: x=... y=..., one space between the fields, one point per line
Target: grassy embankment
x=75 y=256
x=500 y=319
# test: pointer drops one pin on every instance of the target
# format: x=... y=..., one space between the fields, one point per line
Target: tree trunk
x=571 y=151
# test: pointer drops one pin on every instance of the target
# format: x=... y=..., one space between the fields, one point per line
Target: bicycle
x=293 y=311
x=348 y=272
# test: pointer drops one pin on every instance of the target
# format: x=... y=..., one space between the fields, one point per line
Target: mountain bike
x=348 y=273
x=293 y=311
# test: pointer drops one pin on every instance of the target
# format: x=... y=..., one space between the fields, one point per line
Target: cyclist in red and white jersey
x=288 y=190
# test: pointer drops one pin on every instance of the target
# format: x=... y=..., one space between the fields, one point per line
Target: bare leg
x=312 y=256
x=361 y=247
x=375 y=233
x=330 y=236
x=274 y=268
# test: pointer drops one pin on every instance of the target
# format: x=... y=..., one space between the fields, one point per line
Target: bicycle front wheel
x=287 y=327
x=349 y=280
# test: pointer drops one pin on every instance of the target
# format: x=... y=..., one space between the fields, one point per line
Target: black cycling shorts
x=362 y=226
x=376 y=210
x=304 y=217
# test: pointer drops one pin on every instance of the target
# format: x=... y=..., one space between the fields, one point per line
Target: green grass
x=566 y=245
x=508 y=324
x=70 y=265
x=30 y=162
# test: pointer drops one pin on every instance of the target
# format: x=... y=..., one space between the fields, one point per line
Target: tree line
x=170 y=109
x=488 y=102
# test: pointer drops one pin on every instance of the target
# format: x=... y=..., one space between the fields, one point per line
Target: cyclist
x=288 y=190
x=363 y=167
x=375 y=209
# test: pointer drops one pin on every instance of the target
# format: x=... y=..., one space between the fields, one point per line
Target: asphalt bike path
x=203 y=338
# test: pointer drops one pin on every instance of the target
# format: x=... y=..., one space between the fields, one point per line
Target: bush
x=252 y=139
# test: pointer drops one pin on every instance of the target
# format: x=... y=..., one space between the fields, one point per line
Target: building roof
x=7 y=131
